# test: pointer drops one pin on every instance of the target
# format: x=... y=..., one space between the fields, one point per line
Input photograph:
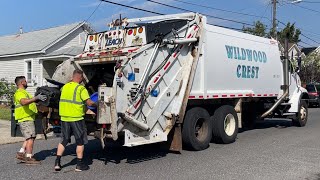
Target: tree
x=290 y=31
x=310 y=68
x=7 y=90
x=259 y=29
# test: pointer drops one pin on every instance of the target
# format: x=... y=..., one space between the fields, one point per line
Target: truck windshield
x=311 y=88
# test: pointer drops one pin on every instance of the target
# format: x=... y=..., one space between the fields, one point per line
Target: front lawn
x=5 y=112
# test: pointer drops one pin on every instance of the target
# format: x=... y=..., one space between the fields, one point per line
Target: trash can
x=15 y=130
x=94 y=97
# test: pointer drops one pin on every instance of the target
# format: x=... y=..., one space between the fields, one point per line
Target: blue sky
x=41 y=14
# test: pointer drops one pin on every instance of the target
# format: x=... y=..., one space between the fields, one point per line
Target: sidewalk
x=5 y=134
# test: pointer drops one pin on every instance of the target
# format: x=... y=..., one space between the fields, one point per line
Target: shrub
x=7 y=90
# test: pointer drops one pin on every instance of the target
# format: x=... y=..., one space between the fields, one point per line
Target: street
x=273 y=150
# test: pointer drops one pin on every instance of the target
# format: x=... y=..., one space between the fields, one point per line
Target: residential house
x=36 y=54
x=294 y=52
x=310 y=50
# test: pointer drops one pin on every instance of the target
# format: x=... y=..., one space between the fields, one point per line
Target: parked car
x=314 y=92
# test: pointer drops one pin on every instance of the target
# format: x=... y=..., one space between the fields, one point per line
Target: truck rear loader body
x=178 y=79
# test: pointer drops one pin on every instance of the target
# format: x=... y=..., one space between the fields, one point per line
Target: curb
x=5 y=134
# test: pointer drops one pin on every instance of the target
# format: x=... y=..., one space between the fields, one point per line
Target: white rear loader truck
x=176 y=78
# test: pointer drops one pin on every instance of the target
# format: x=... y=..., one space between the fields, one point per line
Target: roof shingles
x=34 y=41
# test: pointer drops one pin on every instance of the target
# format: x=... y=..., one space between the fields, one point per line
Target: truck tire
x=197 y=128
x=302 y=116
x=225 y=125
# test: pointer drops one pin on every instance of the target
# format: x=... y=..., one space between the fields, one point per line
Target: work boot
x=81 y=166
x=31 y=160
x=20 y=156
x=57 y=165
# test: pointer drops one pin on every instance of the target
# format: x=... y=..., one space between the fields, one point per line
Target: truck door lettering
x=244 y=69
x=229 y=51
x=243 y=54
x=255 y=56
x=260 y=56
x=235 y=52
x=249 y=54
x=253 y=72
x=238 y=71
x=257 y=73
x=264 y=55
x=238 y=51
x=247 y=72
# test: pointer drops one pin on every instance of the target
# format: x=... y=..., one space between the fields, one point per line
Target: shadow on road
x=113 y=153
x=268 y=123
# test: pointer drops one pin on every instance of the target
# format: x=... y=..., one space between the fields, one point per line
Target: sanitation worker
x=73 y=98
x=25 y=113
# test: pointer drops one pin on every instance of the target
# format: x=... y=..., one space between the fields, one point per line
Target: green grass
x=5 y=113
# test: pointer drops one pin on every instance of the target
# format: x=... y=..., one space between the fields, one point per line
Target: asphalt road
x=273 y=150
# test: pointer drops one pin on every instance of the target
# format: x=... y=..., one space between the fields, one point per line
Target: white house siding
x=10 y=67
x=15 y=66
x=77 y=38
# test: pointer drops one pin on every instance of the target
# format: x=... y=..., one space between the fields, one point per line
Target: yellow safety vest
x=26 y=112
x=71 y=106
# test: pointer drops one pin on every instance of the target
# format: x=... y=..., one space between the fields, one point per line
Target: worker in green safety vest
x=72 y=103
x=25 y=113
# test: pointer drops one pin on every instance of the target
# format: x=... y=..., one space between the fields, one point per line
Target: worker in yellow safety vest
x=25 y=113
x=72 y=103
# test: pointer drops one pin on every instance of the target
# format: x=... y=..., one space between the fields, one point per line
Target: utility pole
x=274 y=20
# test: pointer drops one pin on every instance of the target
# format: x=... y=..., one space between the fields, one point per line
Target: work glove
x=41 y=97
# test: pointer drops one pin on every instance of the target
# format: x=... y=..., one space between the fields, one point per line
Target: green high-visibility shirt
x=72 y=102
x=26 y=112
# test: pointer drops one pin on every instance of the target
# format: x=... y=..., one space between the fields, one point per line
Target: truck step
x=286 y=104
x=289 y=114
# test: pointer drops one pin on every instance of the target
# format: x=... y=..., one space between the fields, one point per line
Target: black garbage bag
x=53 y=96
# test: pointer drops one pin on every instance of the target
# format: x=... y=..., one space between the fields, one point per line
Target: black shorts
x=77 y=129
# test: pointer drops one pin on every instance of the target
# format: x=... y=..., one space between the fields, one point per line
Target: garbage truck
x=178 y=79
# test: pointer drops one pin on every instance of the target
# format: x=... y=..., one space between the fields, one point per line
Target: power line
x=306 y=43
x=309 y=38
x=301 y=35
x=223 y=10
x=312 y=34
x=131 y=7
x=265 y=12
x=216 y=17
x=303 y=7
x=244 y=23
x=93 y=12
x=311 y=2
x=299 y=28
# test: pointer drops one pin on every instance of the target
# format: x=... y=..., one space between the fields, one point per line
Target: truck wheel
x=302 y=116
x=197 y=128
x=225 y=125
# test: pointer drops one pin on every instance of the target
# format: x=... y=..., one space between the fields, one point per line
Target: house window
x=28 y=70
